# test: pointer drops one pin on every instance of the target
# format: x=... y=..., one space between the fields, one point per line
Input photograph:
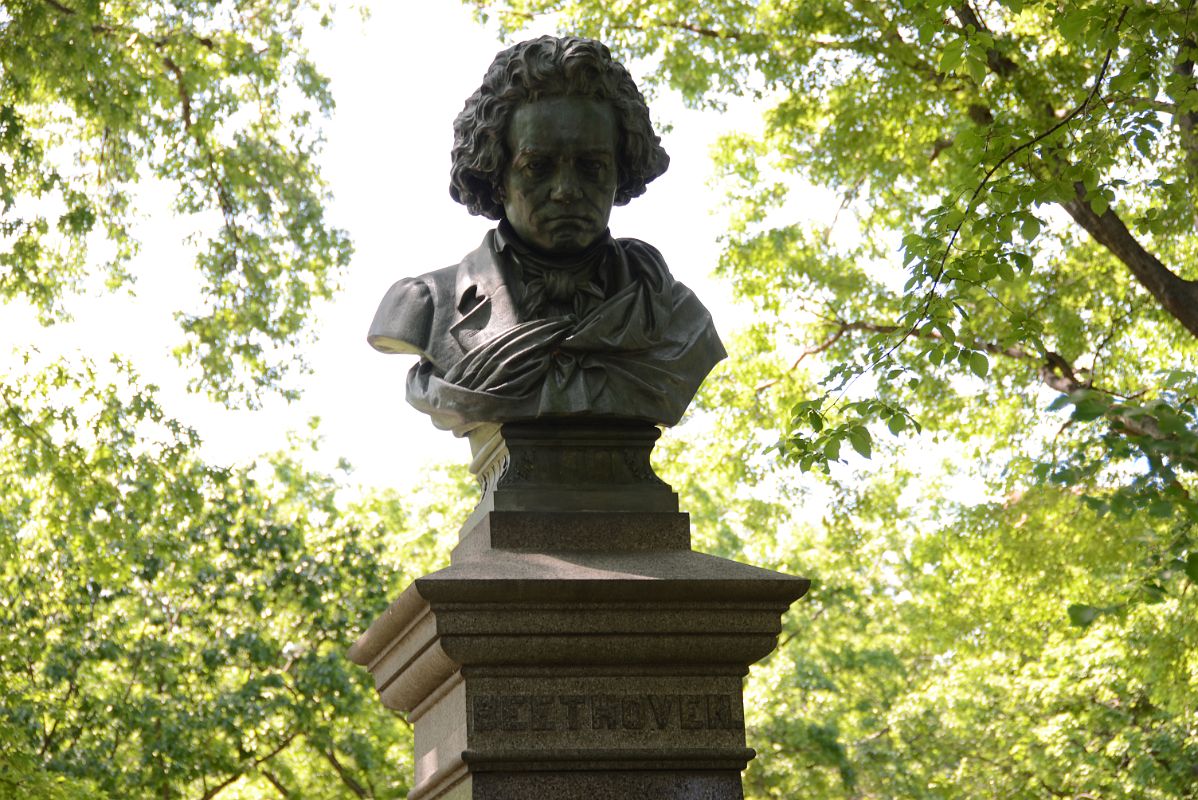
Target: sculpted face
x=560 y=183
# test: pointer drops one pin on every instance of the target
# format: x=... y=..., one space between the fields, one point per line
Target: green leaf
x=1160 y=509
x=1060 y=402
x=861 y=440
x=1082 y=615
x=1072 y=25
x=1192 y=567
x=976 y=69
x=1180 y=378
x=1030 y=227
x=1089 y=406
x=953 y=218
x=1143 y=143
x=979 y=364
x=896 y=424
x=950 y=57
x=832 y=449
x=967 y=139
x=1154 y=593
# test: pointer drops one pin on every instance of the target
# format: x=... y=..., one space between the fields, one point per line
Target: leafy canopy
x=214 y=101
x=173 y=629
x=1008 y=287
x=170 y=627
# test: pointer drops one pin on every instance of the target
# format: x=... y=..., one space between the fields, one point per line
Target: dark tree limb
x=275 y=782
x=229 y=781
x=342 y=773
x=1187 y=121
x=60 y=8
x=1058 y=374
x=184 y=94
x=1179 y=297
x=709 y=33
x=998 y=62
x=1137 y=101
x=1176 y=295
x=819 y=348
x=1053 y=370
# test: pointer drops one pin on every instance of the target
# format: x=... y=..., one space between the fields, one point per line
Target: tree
x=171 y=629
x=1008 y=286
x=970 y=136
x=216 y=102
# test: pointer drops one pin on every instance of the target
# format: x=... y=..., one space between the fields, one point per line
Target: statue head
x=557 y=124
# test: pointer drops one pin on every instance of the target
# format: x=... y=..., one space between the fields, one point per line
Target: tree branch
x=831 y=340
x=1058 y=374
x=989 y=347
x=1176 y=295
x=1187 y=121
x=998 y=62
x=60 y=8
x=275 y=782
x=842 y=327
x=220 y=787
x=1179 y=297
x=737 y=36
x=1148 y=103
x=346 y=778
x=184 y=94
x=709 y=33
x=223 y=196
x=1054 y=371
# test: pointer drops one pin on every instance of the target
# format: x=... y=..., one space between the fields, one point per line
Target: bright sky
x=387 y=161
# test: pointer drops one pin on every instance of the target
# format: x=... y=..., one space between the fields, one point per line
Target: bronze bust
x=551 y=317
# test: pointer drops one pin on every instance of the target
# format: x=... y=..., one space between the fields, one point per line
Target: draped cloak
x=638 y=350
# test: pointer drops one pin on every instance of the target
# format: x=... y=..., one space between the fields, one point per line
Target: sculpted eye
x=591 y=166
x=536 y=166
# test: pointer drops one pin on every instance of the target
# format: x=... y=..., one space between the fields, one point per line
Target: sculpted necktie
x=556 y=288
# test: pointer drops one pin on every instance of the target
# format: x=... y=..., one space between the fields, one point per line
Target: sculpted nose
x=565 y=187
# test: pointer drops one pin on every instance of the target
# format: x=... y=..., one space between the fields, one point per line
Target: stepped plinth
x=576 y=647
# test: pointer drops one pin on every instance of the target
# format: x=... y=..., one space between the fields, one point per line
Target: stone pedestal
x=576 y=647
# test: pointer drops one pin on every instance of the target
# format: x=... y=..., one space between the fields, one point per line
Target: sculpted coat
x=508 y=335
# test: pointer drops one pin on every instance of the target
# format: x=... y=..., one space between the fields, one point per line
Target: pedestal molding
x=608 y=759
x=612 y=669
x=447 y=686
x=443 y=781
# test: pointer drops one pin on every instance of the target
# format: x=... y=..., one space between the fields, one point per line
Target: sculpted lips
x=569 y=220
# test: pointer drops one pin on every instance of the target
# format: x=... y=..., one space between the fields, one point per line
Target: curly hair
x=543 y=68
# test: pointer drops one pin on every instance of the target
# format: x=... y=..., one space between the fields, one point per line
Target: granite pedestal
x=576 y=647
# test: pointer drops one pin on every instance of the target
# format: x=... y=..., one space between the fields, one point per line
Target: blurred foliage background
x=965 y=406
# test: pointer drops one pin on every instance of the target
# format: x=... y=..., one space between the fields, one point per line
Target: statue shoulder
x=404 y=320
x=646 y=261
x=635 y=248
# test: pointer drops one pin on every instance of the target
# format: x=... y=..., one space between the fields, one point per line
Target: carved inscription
x=575 y=712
